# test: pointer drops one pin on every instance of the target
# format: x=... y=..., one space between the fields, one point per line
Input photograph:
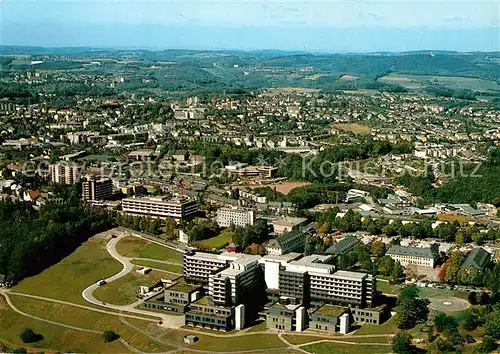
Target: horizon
x=330 y=26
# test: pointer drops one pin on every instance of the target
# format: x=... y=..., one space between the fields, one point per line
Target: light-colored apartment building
x=64 y=173
x=234 y=216
x=418 y=256
x=181 y=207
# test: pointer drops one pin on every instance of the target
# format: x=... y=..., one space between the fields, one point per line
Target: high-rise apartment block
x=97 y=189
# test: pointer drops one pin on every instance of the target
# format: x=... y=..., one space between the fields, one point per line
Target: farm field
x=79 y=267
x=347 y=77
x=138 y=248
x=124 y=291
x=453 y=82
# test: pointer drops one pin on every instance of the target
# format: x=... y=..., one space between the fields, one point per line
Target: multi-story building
x=290 y=317
x=418 y=256
x=204 y=314
x=175 y=298
x=198 y=266
x=97 y=189
x=234 y=285
x=343 y=246
x=181 y=207
x=234 y=216
x=64 y=173
x=331 y=318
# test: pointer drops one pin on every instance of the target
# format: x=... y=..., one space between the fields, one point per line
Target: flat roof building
x=180 y=207
x=234 y=216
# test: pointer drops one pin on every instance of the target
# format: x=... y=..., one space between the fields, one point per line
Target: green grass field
x=260 y=327
x=453 y=82
x=67 y=279
x=124 y=291
x=177 y=269
x=330 y=348
x=217 y=241
x=385 y=287
x=55 y=338
x=230 y=344
x=388 y=327
x=98 y=158
x=138 y=248
x=89 y=319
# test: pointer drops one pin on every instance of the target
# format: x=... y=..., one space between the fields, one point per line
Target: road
x=168 y=321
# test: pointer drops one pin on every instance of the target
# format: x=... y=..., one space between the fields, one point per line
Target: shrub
x=110 y=336
x=29 y=336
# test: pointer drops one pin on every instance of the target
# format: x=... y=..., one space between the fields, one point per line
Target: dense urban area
x=197 y=201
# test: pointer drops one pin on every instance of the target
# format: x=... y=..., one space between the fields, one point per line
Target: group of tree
x=453 y=272
x=469 y=183
x=139 y=223
x=33 y=240
x=27 y=335
x=411 y=309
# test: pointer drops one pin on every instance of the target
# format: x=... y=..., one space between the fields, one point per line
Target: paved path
x=168 y=321
x=150 y=314
x=121 y=340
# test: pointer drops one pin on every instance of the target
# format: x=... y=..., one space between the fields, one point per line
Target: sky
x=309 y=25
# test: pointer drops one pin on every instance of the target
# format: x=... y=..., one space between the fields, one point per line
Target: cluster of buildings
x=293 y=292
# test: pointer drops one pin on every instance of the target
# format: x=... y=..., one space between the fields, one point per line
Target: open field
x=67 y=279
x=124 y=291
x=453 y=82
x=217 y=241
x=166 y=267
x=462 y=219
x=303 y=339
x=286 y=90
x=388 y=327
x=219 y=344
x=329 y=348
x=88 y=319
x=55 y=338
x=98 y=158
x=347 y=77
x=138 y=248
x=315 y=76
x=385 y=287
x=352 y=128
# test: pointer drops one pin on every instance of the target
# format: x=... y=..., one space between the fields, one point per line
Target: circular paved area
x=448 y=304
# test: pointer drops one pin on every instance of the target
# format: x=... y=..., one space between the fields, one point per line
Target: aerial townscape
x=230 y=201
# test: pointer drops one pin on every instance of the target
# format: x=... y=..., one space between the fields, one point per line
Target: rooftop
x=330 y=310
x=182 y=287
x=477 y=258
x=410 y=251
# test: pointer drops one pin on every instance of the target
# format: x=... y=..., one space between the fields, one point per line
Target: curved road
x=168 y=321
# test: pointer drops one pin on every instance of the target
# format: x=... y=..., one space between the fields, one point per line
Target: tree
x=110 y=336
x=492 y=325
x=398 y=273
x=401 y=343
x=472 y=298
x=29 y=336
x=443 y=322
x=488 y=345
x=386 y=265
x=377 y=249
x=484 y=298
x=411 y=309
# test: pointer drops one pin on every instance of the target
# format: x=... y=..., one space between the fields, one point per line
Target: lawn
x=385 y=287
x=67 y=279
x=388 y=327
x=97 y=158
x=303 y=339
x=217 y=241
x=138 y=248
x=230 y=344
x=352 y=127
x=124 y=291
x=166 y=267
x=329 y=348
x=89 y=319
x=55 y=338
x=259 y=327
